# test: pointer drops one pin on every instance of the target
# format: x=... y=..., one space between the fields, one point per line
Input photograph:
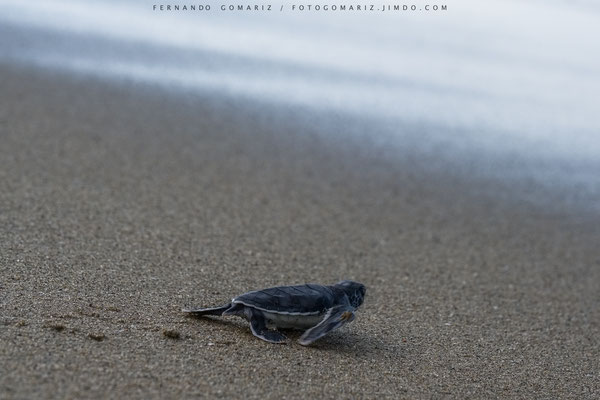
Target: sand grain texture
x=122 y=204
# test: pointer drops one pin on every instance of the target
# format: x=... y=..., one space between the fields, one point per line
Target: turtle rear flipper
x=334 y=319
x=259 y=328
x=208 y=311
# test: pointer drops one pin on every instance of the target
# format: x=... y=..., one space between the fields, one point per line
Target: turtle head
x=354 y=290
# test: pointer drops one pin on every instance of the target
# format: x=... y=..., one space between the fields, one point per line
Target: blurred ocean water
x=515 y=76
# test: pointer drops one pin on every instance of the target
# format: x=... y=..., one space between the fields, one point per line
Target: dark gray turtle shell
x=307 y=299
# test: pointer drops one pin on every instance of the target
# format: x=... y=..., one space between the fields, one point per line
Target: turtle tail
x=207 y=311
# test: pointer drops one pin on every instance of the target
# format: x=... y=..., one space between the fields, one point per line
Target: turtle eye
x=357 y=298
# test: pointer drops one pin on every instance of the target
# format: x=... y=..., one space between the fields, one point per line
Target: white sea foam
x=519 y=74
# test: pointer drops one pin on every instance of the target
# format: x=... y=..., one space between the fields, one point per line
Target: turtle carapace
x=317 y=309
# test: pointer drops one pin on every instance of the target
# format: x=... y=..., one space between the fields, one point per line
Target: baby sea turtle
x=317 y=308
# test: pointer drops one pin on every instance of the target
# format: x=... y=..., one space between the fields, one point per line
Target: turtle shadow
x=355 y=344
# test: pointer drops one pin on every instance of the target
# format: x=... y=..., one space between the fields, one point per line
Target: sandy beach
x=122 y=203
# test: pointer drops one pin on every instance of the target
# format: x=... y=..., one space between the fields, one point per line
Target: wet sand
x=122 y=203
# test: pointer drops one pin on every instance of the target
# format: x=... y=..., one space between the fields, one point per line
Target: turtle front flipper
x=334 y=318
x=207 y=311
x=259 y=328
